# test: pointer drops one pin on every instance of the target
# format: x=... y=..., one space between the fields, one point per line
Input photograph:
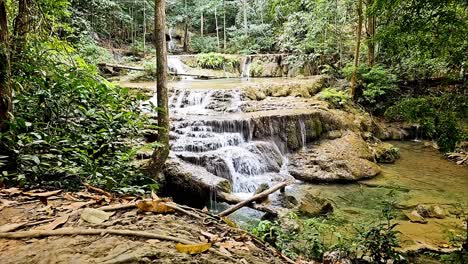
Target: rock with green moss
x=385 y=152
x=311 y=206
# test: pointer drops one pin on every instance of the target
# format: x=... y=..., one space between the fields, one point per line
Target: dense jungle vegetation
x=63 y=124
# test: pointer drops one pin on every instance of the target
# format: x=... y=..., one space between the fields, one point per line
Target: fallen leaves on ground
x=95 y=216
x=56 y=223
x=10 y=191
x=42 y=194
x=155 y=206
x=5 y=203
x=193 y=249
x=11 y=227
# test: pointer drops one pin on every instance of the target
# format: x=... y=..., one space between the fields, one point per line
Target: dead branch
x=261 y=196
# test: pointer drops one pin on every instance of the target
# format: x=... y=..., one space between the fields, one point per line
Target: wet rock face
x=311 y=206
x=343 y=159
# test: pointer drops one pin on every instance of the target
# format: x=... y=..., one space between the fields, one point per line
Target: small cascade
x=171 y=44
x=177 y=66
x=418 y=132
x=246 y=68
x=204 y=135
x=303 y=133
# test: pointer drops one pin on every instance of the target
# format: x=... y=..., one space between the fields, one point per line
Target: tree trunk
x=6 y=105
x=224 y=26
x=144 y=29
x=186 y=40
x=217 y=29
x=370 y=35
x=246 y=26
x=201 y=24
x=356 y=53
x=161 y=153
x=22 y=26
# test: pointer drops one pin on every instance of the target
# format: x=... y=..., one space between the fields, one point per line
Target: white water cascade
x=210 y=132
x=171 y=44
x=177 y=66
x=246 y=68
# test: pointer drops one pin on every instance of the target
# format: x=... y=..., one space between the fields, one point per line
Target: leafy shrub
x=377 y=86
x=71 y=126
x=216 y=61
x=92 y=53
x=258 y=39
x=440 y=118
x=204 y=44
x=334 y=96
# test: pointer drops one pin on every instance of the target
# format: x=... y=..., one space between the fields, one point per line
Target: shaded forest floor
x=53 y=212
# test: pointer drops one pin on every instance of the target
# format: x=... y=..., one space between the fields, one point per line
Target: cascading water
x=177 y=66
x=171 y=44
x=205 y=134
x=246 y=68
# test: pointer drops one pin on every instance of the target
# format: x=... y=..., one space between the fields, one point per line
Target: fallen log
x=260 y=196
x=126 y=67
x=232 y=199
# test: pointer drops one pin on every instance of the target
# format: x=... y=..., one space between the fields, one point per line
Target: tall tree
x=358 y=47
x=370 y=33
x=161 y=153
x=6 y=105
x=22 y=25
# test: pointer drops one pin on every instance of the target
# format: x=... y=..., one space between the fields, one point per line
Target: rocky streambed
x=234 y=137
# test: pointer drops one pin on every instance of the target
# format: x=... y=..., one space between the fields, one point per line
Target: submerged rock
x=311 y=206
x=415 y=217
x=433 y=211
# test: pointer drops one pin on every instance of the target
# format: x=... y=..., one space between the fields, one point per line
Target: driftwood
x=232 y=199
x=92 y=232
x=260 y=196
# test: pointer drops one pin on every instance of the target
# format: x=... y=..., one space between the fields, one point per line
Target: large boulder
x=343 y=159
x=311 y=206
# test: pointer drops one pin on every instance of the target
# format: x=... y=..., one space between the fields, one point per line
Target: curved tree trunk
x=356 y=53
x=161 y=153
x=370 y=35
x=6 y=105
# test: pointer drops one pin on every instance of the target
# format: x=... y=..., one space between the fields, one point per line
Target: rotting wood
x=254 y=198
x=93 y=232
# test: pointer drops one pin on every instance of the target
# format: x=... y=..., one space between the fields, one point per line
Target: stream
x=212 y=130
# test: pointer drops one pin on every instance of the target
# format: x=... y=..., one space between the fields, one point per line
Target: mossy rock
x=311 y=206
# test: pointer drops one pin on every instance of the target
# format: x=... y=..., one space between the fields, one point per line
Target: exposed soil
x=234 y=244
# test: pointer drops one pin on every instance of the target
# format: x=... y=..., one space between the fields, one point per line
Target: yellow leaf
x=193 y=249
x=229 y=222
x=159 y=207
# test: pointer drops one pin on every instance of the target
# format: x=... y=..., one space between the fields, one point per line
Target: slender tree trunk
x=161 y=153
x=202 y=18
x=370 y=35
x=21 y=26
x=144 y=28
x=356 y=53
x=246 y=26
x=6 y=102
x=224 y=26
x=217 y=29
x=186 y=35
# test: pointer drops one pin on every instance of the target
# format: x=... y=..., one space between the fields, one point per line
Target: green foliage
x=204 y=44
x=216 y=61
x=70 y=126
x=92 y=53
x=440 y=118
x=257 y=40
x=377 y=86
x=334 y=96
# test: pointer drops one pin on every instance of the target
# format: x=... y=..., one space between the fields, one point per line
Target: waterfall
x=177 y=66
x=171 y=44
x=246 y=68
x=303 y=133
x=206 y=135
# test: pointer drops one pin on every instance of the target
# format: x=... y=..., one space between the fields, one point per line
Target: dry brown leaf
x=43 y=200
x=91 y=196
x=231 y=244
x=223 y=250
x=70 y=197
x=11 y=191
x=11 y=227
x=95 y=216
x=153 y=241
x=77 y=205
x=98 y=190
x=211 y=237
x=159 y=206
x=193 y=249
x=5 y=203
x=229 y=222
x=42 y=194
x=154 y=196
x=56 y=223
